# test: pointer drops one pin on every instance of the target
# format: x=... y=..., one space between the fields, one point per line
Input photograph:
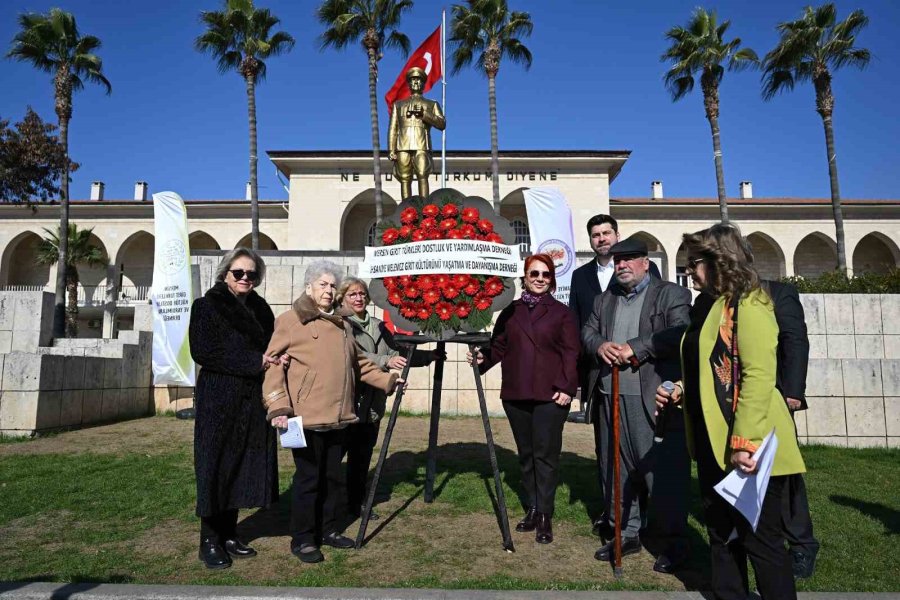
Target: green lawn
x=89 y=513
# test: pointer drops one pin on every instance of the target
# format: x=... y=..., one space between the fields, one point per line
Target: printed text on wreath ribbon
x=442 y=256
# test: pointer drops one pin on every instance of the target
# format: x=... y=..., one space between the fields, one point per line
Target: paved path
x=105 y=591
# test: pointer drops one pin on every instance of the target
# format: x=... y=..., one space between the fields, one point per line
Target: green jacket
x=760 y=405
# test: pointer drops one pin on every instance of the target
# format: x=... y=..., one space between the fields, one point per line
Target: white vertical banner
x=550 y=227
x=172 y=293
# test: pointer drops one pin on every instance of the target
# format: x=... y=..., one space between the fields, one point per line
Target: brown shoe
x=529 y=522
x=544 y=533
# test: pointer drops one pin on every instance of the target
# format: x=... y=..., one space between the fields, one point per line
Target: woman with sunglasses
x=378 y=345
x=731 y=402
x=537 y=342
x=234 y=448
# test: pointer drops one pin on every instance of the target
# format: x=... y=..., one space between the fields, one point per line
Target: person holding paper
x=376 y=343
x=536 y=342
x=319 y=386
x=731 y=402
x=234 y=448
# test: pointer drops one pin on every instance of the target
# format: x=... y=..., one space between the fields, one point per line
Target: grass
x=127 y=516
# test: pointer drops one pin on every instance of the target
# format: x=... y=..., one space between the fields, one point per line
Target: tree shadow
x=889 y=517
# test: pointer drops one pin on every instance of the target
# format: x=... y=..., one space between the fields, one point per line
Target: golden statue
x=409 y=135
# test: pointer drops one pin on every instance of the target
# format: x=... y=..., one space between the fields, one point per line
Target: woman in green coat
x=730 y=404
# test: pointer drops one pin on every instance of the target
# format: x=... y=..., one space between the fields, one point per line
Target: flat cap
x=629 y=246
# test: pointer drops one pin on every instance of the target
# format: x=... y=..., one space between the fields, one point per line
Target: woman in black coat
x=234 y=447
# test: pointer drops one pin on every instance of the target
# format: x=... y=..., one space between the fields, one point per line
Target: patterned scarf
x=725 y=362
x=531 y=300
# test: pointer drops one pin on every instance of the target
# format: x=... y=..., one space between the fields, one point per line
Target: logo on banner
x=174 y=257
x=561 y=253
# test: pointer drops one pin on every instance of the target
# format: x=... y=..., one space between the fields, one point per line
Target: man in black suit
x=589 y=281
x=793 y=360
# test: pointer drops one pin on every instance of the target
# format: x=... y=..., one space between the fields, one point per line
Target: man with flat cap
x=636 y=327
x=409 y=134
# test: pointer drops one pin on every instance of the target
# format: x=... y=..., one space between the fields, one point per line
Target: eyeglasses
x=535 y=274
x=357 y=295
x=692 y=263
x=239 y=274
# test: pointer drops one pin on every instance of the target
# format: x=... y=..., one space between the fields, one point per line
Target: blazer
x=761 y=406
x=664 y=317
x=793 y=342
x=537 y=348
x=585 y=287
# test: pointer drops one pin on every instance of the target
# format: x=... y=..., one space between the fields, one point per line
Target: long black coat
x=235 y=457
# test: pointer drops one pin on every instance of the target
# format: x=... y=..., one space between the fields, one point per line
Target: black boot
x=213 y=554
x=529 y=521
x=544 y=534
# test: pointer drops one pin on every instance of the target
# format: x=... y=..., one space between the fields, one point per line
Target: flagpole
x=444 y=96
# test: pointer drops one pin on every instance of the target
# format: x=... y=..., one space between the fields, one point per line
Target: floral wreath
x=442 y=304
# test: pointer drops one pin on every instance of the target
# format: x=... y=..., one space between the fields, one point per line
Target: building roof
x=783 y=201
x=455 y=153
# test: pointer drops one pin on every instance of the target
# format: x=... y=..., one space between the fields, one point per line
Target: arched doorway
x=92 y=280
x=656 y=250
x=19 y=266
x=200 y=240
x=265 y=242
x=358 y=220
x=135 y=261
x=815 y=254
x=767 y=256
x=875 y=253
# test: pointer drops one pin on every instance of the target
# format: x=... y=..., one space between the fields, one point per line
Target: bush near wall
x=837 y=282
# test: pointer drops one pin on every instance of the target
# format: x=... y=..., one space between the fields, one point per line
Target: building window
x=523 y=237
x=370 y=235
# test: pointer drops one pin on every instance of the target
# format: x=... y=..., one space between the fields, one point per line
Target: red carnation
x=423 y=312
x=434 y=234
x=425 y=282
x=485 y=226
x=450 y=292
x=493 y=286
x=442 y=280
x=419 y=235
x=468 y=230
x=395 y=298
x=431 y=296
x=450 y=210
x=470 y=214
x=390 y=236
x=405 y=231
x=444 y=310
x=404 y=280
x=463 y=309
x=409 y=215
x=411 y=291
x=448 y=224
x=454 y=234
x=461 y=280
x=495 y=237
x=483 y=302
x=389 y=282
x=428 y=223
x=408 y=310
x=431 y=210
x=473 y=287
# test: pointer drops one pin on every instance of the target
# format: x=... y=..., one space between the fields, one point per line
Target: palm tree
x=700 y=48
x=488 y=29
x=809 y=49
x=52 y=44
x=372 y=23
x=240 y=38
x=80 y=250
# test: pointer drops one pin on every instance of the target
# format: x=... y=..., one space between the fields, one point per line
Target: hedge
x=837 y=282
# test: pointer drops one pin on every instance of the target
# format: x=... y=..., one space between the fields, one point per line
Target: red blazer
x=537 y=349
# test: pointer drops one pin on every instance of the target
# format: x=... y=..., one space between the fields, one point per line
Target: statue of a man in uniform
x=409 y=134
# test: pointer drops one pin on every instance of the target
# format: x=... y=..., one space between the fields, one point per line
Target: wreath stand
x=410 y=342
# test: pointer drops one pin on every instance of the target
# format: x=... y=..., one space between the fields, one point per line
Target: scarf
x=725 y=362
x=531 y=300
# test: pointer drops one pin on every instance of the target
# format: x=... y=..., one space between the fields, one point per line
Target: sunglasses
x=357 y=295
x=239 y=274
x=693 y=262
x=535 y=274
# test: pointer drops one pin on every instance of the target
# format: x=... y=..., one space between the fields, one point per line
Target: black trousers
x=765 y=547
x=318 y=502
x=537 y=428
x=798 y=528
x=361 y=440
x=219 y=527
x=599 y=450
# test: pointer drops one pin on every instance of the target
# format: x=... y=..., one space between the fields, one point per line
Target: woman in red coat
x=536 y=341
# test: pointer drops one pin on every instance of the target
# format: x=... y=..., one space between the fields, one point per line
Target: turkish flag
x=426 y=57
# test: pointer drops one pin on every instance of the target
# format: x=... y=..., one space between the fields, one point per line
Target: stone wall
x=72 y=383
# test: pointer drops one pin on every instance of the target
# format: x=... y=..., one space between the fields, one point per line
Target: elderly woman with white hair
x=325 y=364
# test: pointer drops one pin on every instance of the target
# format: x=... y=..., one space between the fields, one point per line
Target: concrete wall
x=72 y=383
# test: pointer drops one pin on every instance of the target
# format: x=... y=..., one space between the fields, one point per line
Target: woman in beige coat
x=318 y=386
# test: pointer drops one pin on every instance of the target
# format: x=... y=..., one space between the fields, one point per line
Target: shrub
x=837 y=282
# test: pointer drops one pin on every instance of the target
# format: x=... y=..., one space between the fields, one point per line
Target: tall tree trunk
x=63 y=110
x=495 y=153
x=835 y=194
x=254 y=195
x=72 y=304
x=376 y=132
x=720 y=172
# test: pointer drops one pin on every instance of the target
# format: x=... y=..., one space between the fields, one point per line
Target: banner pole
x=444 y=95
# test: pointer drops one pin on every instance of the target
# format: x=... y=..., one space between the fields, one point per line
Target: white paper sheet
x=747 y=492
x=293 y=436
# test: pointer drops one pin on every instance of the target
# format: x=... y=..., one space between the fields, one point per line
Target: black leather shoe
x=238 y=549
x=336 y=540
x=630 y=545
x=529 y=521
x=544 y=534
x=803 y=564
x=213 y=555
x=602 y=527
x=308 y=553
x=666 y=565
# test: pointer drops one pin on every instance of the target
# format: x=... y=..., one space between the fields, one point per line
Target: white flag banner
x=172 y=293
x=472 y=257
x=550 y=226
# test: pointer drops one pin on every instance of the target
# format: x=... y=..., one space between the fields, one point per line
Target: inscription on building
x=471 y=176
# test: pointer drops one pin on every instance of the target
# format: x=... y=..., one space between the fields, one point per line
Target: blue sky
x=596 y=83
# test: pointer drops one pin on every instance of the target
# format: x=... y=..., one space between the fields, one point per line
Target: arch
x=512 y=206
x=92 y=280
x=265 y=242
x=18 y=263
x=657 y=251
x=815 y=254
x=359 y=215
x=135 y=259
x=875 y=253
x=768 y=258
x=200 y=240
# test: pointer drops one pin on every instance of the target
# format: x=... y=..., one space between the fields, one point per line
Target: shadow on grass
x=889 y=517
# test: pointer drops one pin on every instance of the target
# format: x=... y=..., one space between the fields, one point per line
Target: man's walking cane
x=617 y=477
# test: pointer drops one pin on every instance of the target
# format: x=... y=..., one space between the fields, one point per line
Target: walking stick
x=617 y=477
